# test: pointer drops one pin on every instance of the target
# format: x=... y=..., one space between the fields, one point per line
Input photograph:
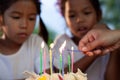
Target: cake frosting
x=57 y=76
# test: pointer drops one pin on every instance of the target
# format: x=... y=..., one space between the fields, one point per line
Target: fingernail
x=84 y=49
x=90 y=54
x=107 y=51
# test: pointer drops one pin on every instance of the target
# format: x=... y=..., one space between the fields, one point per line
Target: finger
x=94 y=52
x=110 y=49
x=89 y=53
x=83 y=42
x=87 y=39
x=91 y=39
x=97 y=52
x=106 y=51
x=91 y=46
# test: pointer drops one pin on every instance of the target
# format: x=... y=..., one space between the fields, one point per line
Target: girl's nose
x=80 y=18
x=23 y=23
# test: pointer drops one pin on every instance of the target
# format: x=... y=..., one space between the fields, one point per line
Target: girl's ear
x=0 y=23
x=1 y=20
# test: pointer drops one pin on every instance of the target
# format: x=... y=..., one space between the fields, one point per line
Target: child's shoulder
x=62 y=37
x=35 y=36
x=34 y=39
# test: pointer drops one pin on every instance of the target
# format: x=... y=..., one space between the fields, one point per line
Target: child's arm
x=83 y=63
x=113 y=67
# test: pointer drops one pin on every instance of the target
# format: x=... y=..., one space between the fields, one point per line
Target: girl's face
x=80 y=16
x=19 y=21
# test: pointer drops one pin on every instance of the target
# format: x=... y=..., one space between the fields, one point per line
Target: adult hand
x=100 y=41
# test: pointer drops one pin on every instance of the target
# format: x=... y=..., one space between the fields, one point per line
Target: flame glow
x=63 y=46
x=42 y=44
x=72 y=48
x=51 y=45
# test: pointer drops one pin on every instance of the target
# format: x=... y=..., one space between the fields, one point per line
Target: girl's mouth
x=83 y=30
x=22 y=35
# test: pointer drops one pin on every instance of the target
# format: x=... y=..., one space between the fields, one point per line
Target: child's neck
x=76 y=40
x=8 y=47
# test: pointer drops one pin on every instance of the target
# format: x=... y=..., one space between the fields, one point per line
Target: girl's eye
x=15 y=17
x=32 y=19
x=87 y=13
x=71 y=16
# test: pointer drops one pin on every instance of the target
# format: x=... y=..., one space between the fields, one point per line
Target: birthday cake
x=57 y=76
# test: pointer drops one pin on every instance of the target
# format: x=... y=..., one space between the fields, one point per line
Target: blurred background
x=55 y=22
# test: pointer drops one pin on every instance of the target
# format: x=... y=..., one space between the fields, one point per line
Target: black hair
x=5 y=4
x=95 y=4
x=43 y=31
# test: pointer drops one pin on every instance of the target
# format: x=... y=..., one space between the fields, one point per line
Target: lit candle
x=62 y=57
x=72 y=59
x=44 y=59
x=51 y=62
x=60 y=63
x=41 y=51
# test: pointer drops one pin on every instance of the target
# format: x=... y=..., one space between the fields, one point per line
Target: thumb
x=91 y=45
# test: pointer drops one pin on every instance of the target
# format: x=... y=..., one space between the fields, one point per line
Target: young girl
x=19 y=48
x=81 y=16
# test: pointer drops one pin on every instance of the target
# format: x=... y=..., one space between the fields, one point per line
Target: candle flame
x=72 y=48
x=51 y=45
x=42 y=44
x=63 y=46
